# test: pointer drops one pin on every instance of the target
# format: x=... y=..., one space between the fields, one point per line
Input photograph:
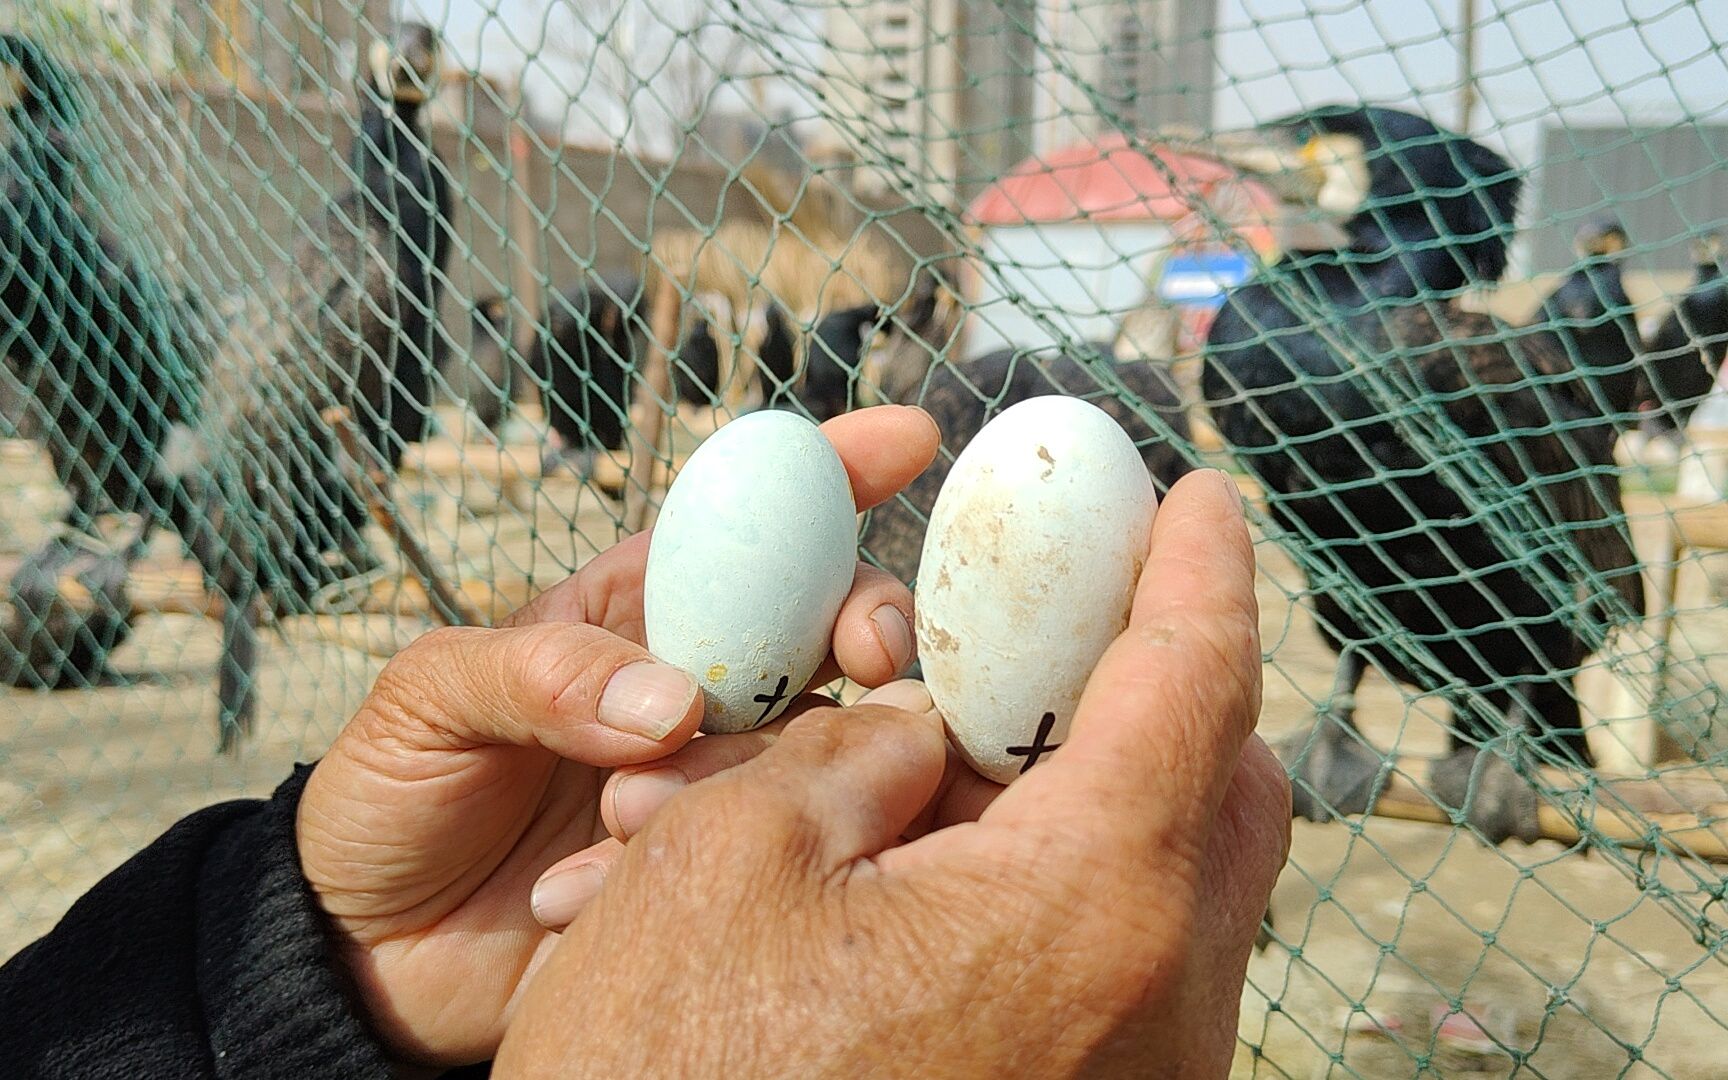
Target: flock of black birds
x=595 y=336
x=1390 y=425
x=255 y=483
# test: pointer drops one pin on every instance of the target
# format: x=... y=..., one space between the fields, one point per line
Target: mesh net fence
x=328 y=323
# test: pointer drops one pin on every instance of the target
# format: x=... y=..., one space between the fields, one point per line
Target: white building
x=952 y=93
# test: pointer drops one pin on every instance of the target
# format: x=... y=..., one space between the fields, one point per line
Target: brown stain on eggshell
x=975 y=529
x=716 y=672
x=979 y=535
x=938 y=639
x=1044 y=452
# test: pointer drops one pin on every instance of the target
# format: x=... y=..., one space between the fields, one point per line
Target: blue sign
x=1200 y=278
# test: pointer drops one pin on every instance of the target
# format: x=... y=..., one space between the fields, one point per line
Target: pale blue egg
x=751 y=558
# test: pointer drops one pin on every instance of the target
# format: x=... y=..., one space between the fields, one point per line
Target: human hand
x=479 y=756
x=1096 y=918
x=635 y=793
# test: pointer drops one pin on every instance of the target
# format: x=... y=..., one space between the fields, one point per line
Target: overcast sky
x=1596 y=62
x=545 y=44
x=1590 y=61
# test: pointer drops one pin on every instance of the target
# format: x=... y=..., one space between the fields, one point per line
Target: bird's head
x=35 y=84
x=841 y=334
x=1601 y=238
x=404 y=69
x=1340 y=169
x=1708 y=249
x=1406 y=183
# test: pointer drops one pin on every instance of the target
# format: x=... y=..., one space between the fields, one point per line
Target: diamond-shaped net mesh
x=326 y=323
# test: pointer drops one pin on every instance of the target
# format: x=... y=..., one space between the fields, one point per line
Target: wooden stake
x=646 y=413
x=450 y=607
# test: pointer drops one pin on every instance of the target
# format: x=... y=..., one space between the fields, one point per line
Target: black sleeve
x=204 y=955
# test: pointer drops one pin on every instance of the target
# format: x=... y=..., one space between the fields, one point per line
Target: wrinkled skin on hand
x=479 y=758
x=833 y=902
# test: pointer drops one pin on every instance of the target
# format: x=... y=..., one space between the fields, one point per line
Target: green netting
x=329 y=322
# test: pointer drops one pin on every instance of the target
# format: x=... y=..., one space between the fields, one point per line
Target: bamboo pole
x=1682 y=811
x=526 y=282
x=646 y=414
x=1466 y=65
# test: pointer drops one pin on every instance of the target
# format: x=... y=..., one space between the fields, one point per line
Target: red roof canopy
x=1108 y=179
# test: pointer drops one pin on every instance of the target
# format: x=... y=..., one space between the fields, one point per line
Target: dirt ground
x=1580 y=963
x=1576 y=961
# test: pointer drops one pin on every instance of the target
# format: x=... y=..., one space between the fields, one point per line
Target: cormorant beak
x=378 y=67
x=1343 y=165
x=1707 y=249
x=1609 y=243
x=1272 y=158
x=407 y=73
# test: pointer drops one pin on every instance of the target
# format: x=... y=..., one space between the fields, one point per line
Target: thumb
x=578 y=691
x=1167 y=710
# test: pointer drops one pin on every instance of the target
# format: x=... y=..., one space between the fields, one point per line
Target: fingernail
x=908 y=694
x=647 y=698
x=636 y=796
x=558 y=898
x=895 y=634
x=1228 y=482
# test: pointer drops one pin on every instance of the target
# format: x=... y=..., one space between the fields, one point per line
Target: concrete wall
x=214 y=184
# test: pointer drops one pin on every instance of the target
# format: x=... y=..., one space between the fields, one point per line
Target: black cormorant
x=1317 y=371
x=1591 y=315
x=406 y=197
x=1684 y=355
x=106 y=351
x=834 y=354
x=280 y=519
x=108 y=357
x=590 y=340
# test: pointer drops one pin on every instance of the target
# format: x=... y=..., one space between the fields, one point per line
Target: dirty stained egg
x=750 y=560
x=1030 y=561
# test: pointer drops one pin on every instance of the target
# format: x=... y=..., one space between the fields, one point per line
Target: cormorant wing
x=1495 y=383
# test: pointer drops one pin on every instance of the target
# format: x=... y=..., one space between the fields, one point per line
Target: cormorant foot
x=1496 y=801
x=1333 y=772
